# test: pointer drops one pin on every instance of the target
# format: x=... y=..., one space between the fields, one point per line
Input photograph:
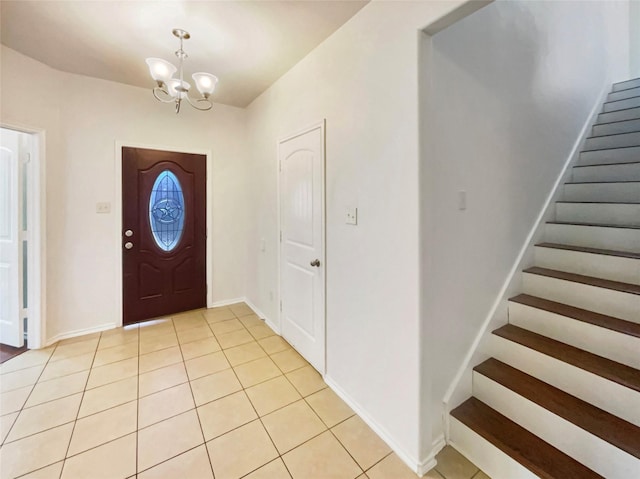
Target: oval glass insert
x=166 y=211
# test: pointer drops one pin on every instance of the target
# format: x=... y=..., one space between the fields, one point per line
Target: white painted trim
x=36 y=235
x=81 y=332
x=117 y=210
x=261 y=315
x=380 y=430
x=226 y=302
x=430 y=461
x=457 y=392
x=323 y=252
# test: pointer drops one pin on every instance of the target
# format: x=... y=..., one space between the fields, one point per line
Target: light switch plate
x=352 y=216
x=104 y=207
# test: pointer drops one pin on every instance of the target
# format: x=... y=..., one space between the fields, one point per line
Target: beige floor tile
x=35 y=452
x=79 y=339
x=329 y=407
x=193 y=464
x=274 y=344
x=306 y=380
x=481 y=475
x=321 y=458
x=28 y=359
x=244 y=353
x=108 y=396
x=157 y=327
x=194 y=334
x=251 y=321
x=65 y=367
x=66 y=351
x=223 y=415
x=433 y=474
x=103 y=427
x=21 y=378
x=118 y=338
x=270 y=395
x=49 y=472
x=214 y=386
x=228 y=326
x=164 y=404
x=199 y=348
x=113 y=460
x=241 y=451
x=241 y=309
x=289 y=360
x=218 y=314
x=58 y=388
x=157 y=343
x=236 y=338
x=160 y=359
x=274 y=470
x=45 y=416
x=363 y=476
x=205 y=365
x=162 y=378
x=453 y=465
x=391 y=467
x=257 y=371
x=292 y=425
x=115 y=354
x=186 y=323
x=261 y=331
x=5 y=425
x=184 y=432
x=12 y=401
x=364 y=445
x=112 y=372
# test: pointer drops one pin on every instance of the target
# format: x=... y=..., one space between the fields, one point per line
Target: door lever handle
x=316 y=263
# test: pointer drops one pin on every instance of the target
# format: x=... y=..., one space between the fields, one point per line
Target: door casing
x=117 y=208
x=323 y=254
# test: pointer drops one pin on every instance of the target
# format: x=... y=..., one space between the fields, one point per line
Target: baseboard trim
x=225 y=302
x=430 y=462
x=454 y=396
x=260 y=314
x=80 y=332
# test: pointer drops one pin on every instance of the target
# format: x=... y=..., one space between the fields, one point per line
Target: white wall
x=364 y=81
x=83 y=118
x=510 y=89
x=634 y=38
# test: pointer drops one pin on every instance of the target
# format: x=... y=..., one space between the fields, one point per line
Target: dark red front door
x=164 y=233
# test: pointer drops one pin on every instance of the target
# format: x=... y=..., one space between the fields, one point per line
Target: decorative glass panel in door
x=166 y=211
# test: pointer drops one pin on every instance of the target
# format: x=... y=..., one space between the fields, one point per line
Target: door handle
x=316 y=263
x=128 y=245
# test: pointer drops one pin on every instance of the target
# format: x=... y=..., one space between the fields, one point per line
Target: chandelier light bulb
x=205 y=83
x=161 y=70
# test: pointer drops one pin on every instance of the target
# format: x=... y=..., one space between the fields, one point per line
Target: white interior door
x=10 y=324
x=302 y=268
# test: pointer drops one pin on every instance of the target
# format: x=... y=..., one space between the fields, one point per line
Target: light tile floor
x=202 y=393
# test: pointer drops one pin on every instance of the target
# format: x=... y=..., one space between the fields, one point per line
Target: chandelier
x=174 y=90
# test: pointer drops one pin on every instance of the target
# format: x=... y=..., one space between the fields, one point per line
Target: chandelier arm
x=168 y=98
x=207 y=103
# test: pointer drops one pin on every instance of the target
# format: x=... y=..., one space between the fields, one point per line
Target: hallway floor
x=204 y=392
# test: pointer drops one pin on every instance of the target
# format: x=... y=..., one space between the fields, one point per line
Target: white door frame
x=323 y=254
x=36 y=235
x=117 y=210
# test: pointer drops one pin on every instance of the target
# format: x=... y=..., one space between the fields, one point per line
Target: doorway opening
x=20 y=252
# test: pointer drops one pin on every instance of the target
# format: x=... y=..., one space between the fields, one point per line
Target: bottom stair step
x=539 y=457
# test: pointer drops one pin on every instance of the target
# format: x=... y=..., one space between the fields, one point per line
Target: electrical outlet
x=352 y=216
x=104 y=207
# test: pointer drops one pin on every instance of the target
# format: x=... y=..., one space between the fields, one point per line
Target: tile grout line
x=137 y=405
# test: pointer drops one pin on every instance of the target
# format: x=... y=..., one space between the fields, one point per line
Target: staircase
x=560 y=398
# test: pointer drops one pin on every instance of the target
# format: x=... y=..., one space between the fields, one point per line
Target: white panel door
x=10 y=324
x=302 y=268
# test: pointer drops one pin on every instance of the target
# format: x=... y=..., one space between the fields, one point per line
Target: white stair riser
x=624 y=192
x=485 y=455
x=620 y=172
x=620 y=239
x=616 y=128
x=630 y=114
x=607 y=343
x=600 y=300
x=627 y=154
x=621 y=104
x=599 y=213
x=626 y=84
x=595 y=453
x=621 y=95
x=608 y=395
x=612 y=141
x=615 y=268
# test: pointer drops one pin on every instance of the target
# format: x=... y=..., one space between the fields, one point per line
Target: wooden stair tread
x=584 y=249
x=606 y=426
x=606 y=368
x=602 y=320
x=588 y=280
x=538 y=456
x=598 y=225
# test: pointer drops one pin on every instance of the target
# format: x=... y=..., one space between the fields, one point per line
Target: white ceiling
x=247 y=44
